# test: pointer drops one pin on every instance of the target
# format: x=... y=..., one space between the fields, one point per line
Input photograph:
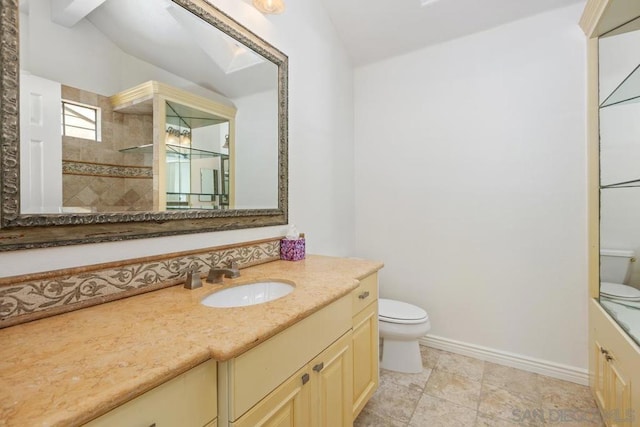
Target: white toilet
x=400 y=326
x=615 y=269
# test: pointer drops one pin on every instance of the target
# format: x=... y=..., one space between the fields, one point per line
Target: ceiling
x=167 y=36
x=161 y=33
x=373 y=30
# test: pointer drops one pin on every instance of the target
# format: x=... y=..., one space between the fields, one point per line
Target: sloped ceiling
x=373 y=30
x=161 y=33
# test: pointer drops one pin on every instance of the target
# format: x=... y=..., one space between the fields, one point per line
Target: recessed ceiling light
x=427 y=2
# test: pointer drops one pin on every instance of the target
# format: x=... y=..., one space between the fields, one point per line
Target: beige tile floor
x=460 y=391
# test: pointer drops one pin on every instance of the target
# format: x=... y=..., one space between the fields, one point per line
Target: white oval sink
x=249 y=294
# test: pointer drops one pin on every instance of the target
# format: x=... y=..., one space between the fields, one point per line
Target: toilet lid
x=400 y=312
x=616 y=290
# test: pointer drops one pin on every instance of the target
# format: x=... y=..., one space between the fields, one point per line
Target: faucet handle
x=193 y=279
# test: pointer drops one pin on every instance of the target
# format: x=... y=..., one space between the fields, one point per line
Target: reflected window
x=80 y=121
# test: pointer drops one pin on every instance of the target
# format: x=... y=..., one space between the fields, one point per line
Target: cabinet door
x=618 y=396
x=365 y=356
x=599 y=380
x=286 y=406
x=613 y=363
x=332 y=377
x=612 y=388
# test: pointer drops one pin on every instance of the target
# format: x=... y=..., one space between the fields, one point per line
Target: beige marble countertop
x=70 y=368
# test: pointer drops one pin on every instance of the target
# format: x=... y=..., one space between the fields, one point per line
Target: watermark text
x=571 y=415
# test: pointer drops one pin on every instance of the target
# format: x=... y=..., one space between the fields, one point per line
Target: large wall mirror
x=126 y=119
x=619 y=114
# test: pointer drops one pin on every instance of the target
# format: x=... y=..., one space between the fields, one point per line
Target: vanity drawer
x=189 y=399
x=365 y=293
x=254 y=374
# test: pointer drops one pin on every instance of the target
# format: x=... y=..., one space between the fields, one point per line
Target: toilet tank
x=615 y=265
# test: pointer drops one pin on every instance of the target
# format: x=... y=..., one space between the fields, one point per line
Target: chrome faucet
x=216 y=274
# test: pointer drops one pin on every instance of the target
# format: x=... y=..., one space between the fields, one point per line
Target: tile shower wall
x=30 y=297
x=96 y=175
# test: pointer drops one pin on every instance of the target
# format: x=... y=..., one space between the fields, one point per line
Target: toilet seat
x=400 y=312
x=619 y=291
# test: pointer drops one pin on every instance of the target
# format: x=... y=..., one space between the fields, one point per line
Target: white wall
x=471 y=185
x=469 y=182
x=320 y=149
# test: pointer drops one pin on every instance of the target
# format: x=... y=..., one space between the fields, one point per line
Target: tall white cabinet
x=614 y=359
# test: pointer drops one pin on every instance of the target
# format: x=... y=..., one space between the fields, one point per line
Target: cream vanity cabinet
x=319 y=372
x=300 y=377
x=190 y=399
x=614 y=357
x=316 y=395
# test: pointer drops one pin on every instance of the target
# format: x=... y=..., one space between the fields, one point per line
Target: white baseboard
x=543 y=367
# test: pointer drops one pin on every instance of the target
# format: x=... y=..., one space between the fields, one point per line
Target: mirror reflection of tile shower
x=96 y=175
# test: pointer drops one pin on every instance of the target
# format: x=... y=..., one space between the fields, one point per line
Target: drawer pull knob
x=363 y=295
x=319 y=367
x=603 y=350
x=608 y=357
x=305 y=379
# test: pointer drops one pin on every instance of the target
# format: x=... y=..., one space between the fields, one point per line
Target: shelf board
x=176 y=151
x=178 y=193
x=623 y=184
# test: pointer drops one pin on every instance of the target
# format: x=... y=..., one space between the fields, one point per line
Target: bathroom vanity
x=613 y=93
x=308 y=358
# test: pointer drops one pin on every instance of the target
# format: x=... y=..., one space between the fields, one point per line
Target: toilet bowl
x=400 y=326
x=615 y=273
x=620 y=292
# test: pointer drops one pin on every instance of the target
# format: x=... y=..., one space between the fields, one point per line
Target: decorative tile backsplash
x=111 y=171
x=26 y=298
